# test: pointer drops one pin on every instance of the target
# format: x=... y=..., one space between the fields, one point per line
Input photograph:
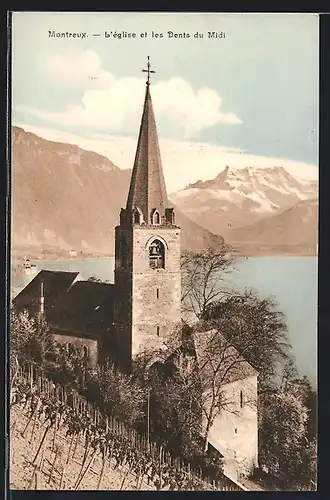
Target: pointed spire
x=147 y=189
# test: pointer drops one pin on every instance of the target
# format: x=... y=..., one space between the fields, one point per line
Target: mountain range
x=257 y=210
x=64 y=197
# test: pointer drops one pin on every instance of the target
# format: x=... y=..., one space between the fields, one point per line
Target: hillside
x=294 y=230
x=66 y=198
x=237 y=198
x=22 y=470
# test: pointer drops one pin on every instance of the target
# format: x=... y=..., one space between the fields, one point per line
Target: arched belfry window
x=157 y=255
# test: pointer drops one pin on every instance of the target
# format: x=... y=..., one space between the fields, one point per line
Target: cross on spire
x=148 y=70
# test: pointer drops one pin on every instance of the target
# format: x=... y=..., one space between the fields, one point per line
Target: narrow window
x=235 y=431
x=157 y=293
x=156 y=218
x=241 y=399
x=157 y=331
x=124 y=251
x=85 y=352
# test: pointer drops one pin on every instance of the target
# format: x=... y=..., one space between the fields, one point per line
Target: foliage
x=30 y=338
x=175 y=399
x=256 y=328
x=119 y=448
x=117 y=393
x=286 y=452
x=201 y=277
x=70 y=367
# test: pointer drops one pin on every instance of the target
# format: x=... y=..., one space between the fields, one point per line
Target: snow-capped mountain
x=239 y=197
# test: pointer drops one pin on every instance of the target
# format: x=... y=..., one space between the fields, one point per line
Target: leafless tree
x=202 y=278
x=205 y=363
x=219 y=364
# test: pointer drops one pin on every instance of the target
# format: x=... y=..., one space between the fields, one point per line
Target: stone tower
x=147 y=252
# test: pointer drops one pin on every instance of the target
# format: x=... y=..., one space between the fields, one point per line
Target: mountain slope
x=292 y=231
x=64 y=197
x=237 y=197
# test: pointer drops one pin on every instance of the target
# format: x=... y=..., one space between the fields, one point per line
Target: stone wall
x=235 y=430
x=156 y=306
x=148 y=301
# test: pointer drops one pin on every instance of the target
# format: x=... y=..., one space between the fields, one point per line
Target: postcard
x=163 y=267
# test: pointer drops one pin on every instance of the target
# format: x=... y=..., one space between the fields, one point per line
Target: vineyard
x=58 y=440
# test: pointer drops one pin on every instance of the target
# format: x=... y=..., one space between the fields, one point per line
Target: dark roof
x=55 y=283
x=86 y=308
x=219 y=360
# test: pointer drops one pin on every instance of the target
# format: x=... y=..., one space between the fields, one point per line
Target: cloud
x=115 y=105
x=184 y=162
x=76 y=69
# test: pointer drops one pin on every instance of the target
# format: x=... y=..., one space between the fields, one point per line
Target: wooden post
x=86 y=470
x=55 y=430
x=103 y=469
x=35 y=419
x=160 y=468
x=53 y=465
x=62 y=476
x=32 y=477
x=31 y=377
x=70 y=447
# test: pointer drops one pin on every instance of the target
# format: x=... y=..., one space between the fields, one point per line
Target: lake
x=292 y=281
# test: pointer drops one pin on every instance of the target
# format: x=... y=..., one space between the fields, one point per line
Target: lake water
x=292 y=281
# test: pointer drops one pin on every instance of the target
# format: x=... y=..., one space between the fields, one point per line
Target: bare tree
x=219 y=364
x=205 y=362
x=256 y=328
x=202 y=278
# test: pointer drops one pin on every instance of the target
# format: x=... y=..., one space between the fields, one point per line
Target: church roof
x=55 y=283
x=86 y=308
x=71 y=305
x=218 y=360
x=147 y=189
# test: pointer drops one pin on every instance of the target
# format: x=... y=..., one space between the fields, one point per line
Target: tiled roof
x=55 y=283
x=70 y=305
x=219 y=360
x=85 y=308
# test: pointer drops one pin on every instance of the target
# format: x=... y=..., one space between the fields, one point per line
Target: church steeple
x=147 y=193
x=147 y=252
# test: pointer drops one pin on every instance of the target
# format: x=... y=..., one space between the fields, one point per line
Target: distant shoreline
x=105 y=257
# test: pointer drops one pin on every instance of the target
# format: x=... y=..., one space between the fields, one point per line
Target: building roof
x=147 y=189
x=71 y=305
x=86 y=308
x=218 y=360
x=54 y=283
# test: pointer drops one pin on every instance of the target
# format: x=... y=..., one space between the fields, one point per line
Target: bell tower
x=147 y=251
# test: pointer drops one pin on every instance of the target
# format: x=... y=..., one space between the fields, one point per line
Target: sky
x=249 y=98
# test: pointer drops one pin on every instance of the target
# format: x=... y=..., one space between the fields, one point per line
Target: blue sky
x=249 y=99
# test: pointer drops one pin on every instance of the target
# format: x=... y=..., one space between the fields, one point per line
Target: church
x=141 y=309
